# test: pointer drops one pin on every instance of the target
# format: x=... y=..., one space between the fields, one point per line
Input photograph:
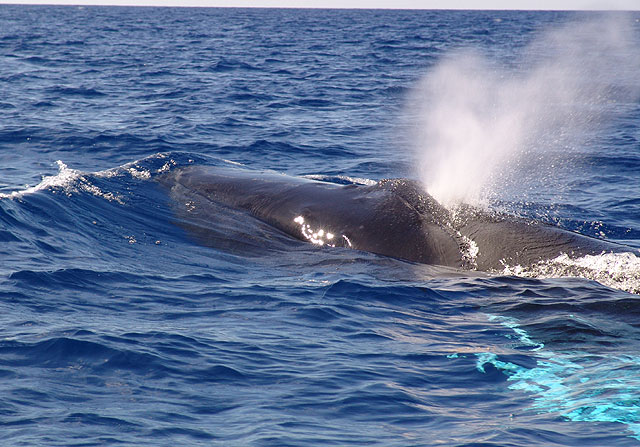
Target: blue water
x=123 y=324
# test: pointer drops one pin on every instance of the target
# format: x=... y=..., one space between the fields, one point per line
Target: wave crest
x=617 y=270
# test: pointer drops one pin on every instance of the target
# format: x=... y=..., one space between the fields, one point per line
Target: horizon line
x=171 y=4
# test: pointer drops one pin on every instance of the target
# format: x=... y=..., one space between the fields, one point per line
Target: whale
x=392 y=217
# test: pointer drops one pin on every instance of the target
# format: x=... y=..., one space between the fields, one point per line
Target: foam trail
x=480 y=127
x=618 y=270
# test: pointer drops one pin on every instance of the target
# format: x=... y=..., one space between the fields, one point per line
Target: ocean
x=123 y=322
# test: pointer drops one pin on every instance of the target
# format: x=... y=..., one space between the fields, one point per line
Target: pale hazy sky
x=400 y=4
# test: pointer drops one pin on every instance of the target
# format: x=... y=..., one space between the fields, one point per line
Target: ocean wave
x=226 y=65
x=618 y=270
x=67 y=181
x=86 y=92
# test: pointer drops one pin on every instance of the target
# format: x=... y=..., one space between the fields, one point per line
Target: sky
x=633 y=5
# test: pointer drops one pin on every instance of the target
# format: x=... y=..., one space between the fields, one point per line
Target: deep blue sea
x=122 y=325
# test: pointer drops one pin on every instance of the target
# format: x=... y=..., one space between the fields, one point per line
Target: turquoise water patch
x=579 y=386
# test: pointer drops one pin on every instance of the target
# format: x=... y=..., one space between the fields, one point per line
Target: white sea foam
x=480 y=127
x=617 y=270
x=137 y=172
x=63 y=179
x=67 y=181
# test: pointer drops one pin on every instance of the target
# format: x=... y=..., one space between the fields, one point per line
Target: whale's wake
x=617 y=270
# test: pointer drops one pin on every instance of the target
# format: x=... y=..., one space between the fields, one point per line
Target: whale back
x=505 y=240
x=390 y=218
x=395 y=218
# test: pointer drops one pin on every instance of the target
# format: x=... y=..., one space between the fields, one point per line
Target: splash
x=67 y=181
x=617 y=270
x=480 y=126
x=62 y=180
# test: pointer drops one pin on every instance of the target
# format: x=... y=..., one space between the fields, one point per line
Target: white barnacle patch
x=318 y=237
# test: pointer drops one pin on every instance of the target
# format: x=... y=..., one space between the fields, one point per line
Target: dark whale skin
x=394 y=218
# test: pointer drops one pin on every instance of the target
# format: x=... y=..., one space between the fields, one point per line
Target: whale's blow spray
x=480 y=125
